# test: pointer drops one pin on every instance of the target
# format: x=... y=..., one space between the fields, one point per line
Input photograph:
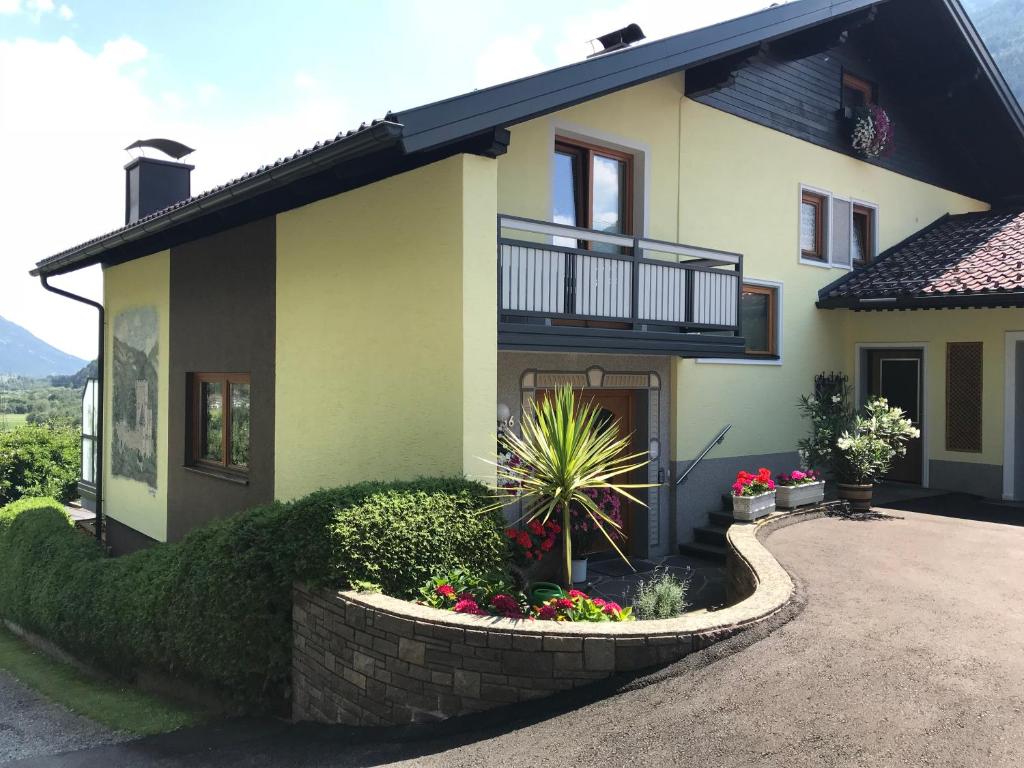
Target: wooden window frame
x=773 y=320
x=859 y=209
x=855 y=83
x=195 y=390
x=819 y=201
x=585 y=152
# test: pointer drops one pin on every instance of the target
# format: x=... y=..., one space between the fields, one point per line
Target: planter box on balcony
x=749 y=508
x=793 y=496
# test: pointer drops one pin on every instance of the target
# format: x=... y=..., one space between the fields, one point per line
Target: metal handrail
x=707 y=449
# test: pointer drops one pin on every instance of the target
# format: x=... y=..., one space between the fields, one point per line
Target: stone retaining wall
x=369 y=659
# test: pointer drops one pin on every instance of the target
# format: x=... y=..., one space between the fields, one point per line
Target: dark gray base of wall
x=702 y=492
x=123 y=539
x=977 y=479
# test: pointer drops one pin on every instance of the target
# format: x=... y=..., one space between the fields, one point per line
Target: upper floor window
x=813 y=215
x=593 y=188
x=220 y=420
x=857 y=92
x=862 y=235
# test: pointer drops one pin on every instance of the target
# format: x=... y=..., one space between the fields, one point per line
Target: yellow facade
x=386 y=331
x=141 y=283
x=932 y=330
x=713 y=180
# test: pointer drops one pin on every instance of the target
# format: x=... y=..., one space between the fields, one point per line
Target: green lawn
x=113 y=704
x=12 y=420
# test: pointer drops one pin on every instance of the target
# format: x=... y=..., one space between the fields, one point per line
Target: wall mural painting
x=133 y=448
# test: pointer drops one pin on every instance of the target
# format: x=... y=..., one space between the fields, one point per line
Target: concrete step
x=721 y=519
x=710 y=534
x=711 y=552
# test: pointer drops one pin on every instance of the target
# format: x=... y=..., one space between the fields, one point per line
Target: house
x=681 y=228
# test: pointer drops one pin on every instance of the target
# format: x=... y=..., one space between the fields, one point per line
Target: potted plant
x=872 y=132
x=583 y=531
x=566 y=451
x=799 y=488
x=753 y=496
x=866 y=451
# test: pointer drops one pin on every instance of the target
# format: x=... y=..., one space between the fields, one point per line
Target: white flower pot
x=579 y=571
x=752 y=507
x=793 y=496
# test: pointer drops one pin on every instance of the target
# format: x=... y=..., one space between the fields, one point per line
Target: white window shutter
x=840 y=230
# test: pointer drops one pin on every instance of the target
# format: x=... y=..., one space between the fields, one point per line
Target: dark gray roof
x=973 y=259
x=426 y=133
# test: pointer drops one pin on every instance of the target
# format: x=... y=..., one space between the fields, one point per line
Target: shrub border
x=370 y=659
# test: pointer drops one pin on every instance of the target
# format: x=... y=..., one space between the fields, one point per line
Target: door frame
x=860 y=354
x=1010 y=413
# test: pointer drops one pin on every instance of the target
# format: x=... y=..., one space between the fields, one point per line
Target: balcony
x=570 y=289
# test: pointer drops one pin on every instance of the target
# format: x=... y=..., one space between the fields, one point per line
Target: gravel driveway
x=909 y=652
x=31 y=725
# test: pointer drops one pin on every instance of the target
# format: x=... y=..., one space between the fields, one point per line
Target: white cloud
x=10 y=7
x=509 y=57
x=304 y=81
x=69 y=113
x=65 y=13
x=39 y=6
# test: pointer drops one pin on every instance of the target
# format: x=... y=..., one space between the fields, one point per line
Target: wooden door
x=896 y=375
x=615 y=406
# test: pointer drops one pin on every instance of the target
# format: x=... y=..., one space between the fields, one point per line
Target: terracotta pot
x=859 y=496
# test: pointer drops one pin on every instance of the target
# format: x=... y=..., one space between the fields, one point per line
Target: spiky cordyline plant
x=565 y=451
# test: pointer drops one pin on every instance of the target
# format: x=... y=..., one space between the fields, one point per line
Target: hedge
x=215 y=608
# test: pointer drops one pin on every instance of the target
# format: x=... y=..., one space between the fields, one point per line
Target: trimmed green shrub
x=401 y=540
x=663 y=597
x=39 y=461
x=215 y=608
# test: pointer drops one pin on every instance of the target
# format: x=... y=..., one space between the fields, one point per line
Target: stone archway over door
x=644 y=398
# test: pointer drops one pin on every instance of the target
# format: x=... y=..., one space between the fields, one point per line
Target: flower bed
x=369 y=659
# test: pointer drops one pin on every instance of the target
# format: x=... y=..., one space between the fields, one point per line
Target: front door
x=615 y=406
x=896 y=375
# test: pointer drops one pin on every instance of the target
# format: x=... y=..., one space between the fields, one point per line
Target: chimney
x=152 y=184
x=617 y=40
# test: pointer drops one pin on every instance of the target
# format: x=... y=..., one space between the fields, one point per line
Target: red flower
x=523 y=539
x=512 y=533
x=554 y=527
x=576 y=593
x=611 y=608
x=536 y=528
x=546 y=612
x=547 y=544
x=599 y=602
x=445 y=590
x=505 y=603
x=564 y=602
x=468 y=605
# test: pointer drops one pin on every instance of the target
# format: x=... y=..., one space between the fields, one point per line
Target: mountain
x=22 y=354
x=1001 y=25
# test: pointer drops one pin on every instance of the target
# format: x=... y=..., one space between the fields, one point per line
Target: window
x=220 y=420
x=963 y=396
x=759 y=319
x=813 y=214
x=857 y=92
x=862 y=236
x=593 y=188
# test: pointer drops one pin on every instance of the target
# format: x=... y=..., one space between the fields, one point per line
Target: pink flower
x=576 y=593
x=611 y=608
x=600 y=603
x=563 y=602
x=445 y=590
x=505 y=603
x=797 y=475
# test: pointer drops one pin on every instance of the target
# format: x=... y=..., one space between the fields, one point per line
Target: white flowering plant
x=876 y=438
x=872 y=134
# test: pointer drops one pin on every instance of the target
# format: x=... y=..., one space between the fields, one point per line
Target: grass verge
x=110 y=703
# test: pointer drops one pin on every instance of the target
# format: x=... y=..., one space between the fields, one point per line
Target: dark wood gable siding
x=802 y=96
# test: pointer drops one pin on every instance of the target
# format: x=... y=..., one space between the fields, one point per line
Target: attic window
x=857 y=92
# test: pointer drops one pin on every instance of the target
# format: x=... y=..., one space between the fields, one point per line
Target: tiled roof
x=957 y=261
x=263 y=170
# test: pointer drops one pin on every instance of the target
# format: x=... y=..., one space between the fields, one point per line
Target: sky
x=244 y=83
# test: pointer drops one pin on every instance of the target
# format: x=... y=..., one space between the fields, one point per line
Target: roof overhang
x=944 y=301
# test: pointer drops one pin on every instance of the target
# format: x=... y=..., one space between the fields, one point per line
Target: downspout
x=99 y=401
